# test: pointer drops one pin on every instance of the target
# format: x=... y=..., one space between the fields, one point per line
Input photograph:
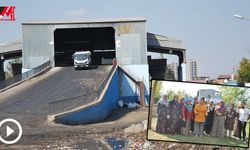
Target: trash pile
x=135 y=136
x=121 y=104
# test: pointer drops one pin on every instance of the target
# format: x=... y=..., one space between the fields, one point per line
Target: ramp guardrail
x=6 y=84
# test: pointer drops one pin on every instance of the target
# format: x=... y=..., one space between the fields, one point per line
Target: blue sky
x=208 y=29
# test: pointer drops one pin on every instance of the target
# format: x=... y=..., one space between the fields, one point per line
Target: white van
x=82 y=59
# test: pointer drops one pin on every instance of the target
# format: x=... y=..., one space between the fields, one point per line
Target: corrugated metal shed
x=130 y=39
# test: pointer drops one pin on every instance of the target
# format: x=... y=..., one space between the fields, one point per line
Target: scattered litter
x=145 y=125
x=146 y=145
x=135 y=128
x=116 y=143
x=133 y=105
x=120 y=103
x=172 y=145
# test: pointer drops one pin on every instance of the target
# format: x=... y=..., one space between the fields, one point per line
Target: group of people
x=200 y=117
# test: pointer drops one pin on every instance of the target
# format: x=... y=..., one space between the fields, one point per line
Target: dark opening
x=99 y=41
x=157 y=68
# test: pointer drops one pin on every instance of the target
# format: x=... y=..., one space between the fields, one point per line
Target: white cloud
x=78 y=12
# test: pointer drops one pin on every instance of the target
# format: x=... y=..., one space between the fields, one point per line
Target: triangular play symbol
x=9 y=131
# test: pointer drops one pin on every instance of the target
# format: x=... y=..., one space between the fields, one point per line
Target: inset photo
x=199 y=113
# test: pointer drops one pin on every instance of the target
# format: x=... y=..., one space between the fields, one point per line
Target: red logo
x=7 y=13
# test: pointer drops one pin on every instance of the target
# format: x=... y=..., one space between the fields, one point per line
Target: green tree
x=171 y=94
x=181 y=94
x=157 y=90
x=169 y=74
x=233 y=94
x=244 y=71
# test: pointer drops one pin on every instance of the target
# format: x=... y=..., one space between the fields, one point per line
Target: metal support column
x=2 y=74
x=120 y=83
x=142 y=100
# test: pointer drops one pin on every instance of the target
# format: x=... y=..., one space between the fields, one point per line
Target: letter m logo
x=7 y=13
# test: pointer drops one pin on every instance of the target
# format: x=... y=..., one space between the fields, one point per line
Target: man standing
x=242 y=121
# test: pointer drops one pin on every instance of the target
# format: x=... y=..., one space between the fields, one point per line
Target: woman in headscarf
x=192 y=120
x=200 y=112
x=162 y=111
x=187 y=112
x=218 y=129
x=175 y=110
x=209 y=118
x=231 y=115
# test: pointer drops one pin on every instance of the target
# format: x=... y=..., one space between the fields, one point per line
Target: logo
x=7 y=13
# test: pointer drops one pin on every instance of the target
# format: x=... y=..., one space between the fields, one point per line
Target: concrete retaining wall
x=100 y=110
x=97 y=112
x=129 y=90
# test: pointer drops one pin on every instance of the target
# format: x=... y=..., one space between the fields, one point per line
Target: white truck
x=82 y=59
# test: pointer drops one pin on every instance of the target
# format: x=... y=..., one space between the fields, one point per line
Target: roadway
x=28 y=102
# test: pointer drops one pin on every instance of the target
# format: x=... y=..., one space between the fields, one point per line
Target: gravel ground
x=101 y=141
x=122 y=131
x=105 y=138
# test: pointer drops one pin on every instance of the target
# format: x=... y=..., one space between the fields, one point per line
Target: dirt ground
x=49 y=135
x=101 y=136
x=120 y=131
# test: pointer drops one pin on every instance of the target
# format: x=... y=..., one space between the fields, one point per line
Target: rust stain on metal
x=125 y=28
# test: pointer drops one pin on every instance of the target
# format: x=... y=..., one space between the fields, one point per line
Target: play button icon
x=10 y=130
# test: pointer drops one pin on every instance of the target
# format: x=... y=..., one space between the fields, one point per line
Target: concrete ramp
x=76 y=88
x=107 y=100
x=98 y=110
x=28 y=101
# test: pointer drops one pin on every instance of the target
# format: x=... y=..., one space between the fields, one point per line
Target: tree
x=233 y=94
x=244 y=71
x=158 y=88
x=181 y=94
x=169 y=74
x=170 y=94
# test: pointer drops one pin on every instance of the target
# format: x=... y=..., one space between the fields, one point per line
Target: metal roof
x=86 y=21
x=163 y=41
x=9 y=47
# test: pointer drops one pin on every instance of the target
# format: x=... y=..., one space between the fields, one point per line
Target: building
x=192 y=69
x=226 y=79
x=174 y=68
x=124 y=39
x=56 y=41
x=51 y=43
x=201 y=79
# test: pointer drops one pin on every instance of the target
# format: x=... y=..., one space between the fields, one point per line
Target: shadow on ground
x=118 y=113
